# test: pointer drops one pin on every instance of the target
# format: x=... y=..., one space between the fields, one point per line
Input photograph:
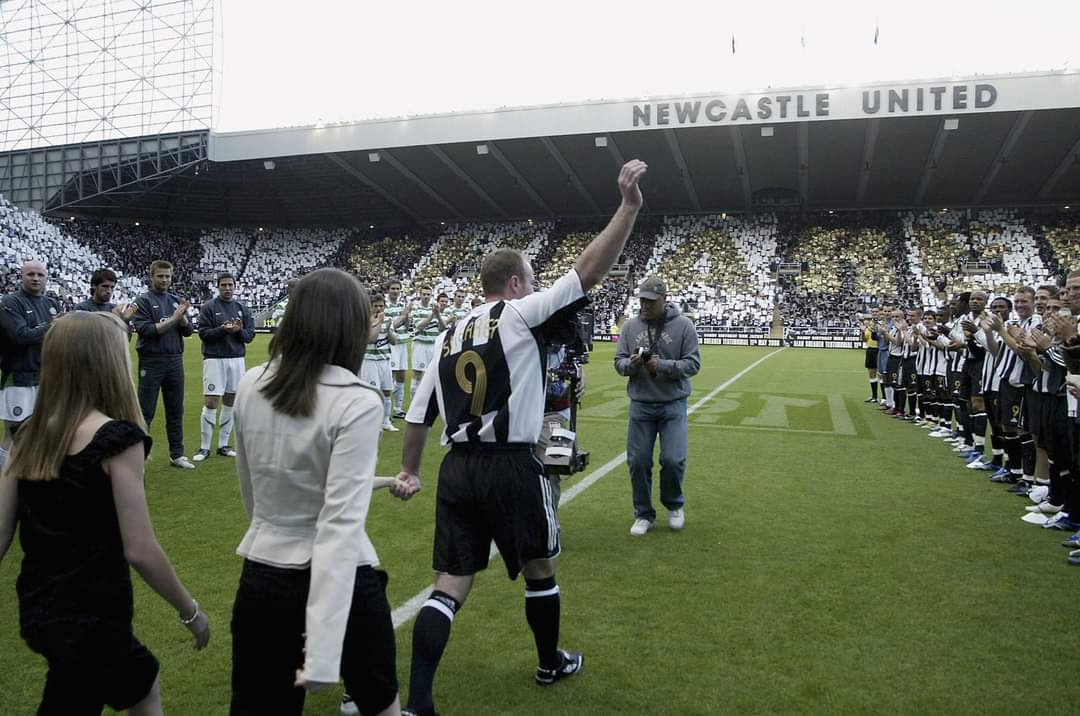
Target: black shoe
x=1021 y=488
x=400 y=414
x=572 y=663
x=226 y=451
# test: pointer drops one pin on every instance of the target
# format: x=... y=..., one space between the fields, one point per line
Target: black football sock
x=873 y=389
x=1027 y=452
x=542 y=608
x=430 y=634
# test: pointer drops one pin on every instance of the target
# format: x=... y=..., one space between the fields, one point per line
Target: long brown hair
x=85 y=366
x=326 y=323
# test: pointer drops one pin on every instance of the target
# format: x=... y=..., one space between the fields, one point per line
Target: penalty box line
x=408 y=610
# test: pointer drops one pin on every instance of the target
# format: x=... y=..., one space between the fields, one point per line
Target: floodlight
x=374 y=157
x=600 y=141
x=766 y=131
x=951 y=124
x=481 y=149
x=269 y=165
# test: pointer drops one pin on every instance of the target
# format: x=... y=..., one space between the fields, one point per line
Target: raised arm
x=600 y=255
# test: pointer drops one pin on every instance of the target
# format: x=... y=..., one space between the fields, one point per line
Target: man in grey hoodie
x=658 y=351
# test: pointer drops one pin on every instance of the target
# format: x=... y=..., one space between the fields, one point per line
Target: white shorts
x=17 y=403
x=399 y=356
x=377 y=374
x=222 y=375
x=422 y=355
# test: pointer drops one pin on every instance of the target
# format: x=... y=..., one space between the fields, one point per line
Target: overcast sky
x=286 y=64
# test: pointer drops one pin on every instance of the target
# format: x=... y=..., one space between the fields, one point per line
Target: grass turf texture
x=834 y=561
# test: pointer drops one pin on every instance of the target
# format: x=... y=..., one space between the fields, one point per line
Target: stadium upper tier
x=723 y=270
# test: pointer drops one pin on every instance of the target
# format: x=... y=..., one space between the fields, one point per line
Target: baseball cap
x=652 y=288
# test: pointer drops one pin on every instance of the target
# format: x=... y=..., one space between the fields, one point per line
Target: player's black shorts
x=1010 y=405
x=908 y=379
x=495 y=493
x=927 y=386
x=871 y=358
x=1058 y=432
x=892 y=374
x=972 y=386
x=1032 y=415
x=955 y=383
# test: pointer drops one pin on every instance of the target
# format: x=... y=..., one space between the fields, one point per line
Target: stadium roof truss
x=987 y=141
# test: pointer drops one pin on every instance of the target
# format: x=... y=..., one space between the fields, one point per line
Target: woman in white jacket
x=311 y=606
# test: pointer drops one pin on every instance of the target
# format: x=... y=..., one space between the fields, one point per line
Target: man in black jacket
x=25 y=315
x=162 y=324
x=225 y=327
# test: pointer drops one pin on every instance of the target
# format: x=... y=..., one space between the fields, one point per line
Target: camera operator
x=658 y=351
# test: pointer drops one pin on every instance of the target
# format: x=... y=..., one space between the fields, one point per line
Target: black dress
x=75 y=598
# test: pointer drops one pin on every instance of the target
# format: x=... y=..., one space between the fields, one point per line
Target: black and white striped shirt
x=1009 y=366
x=489 y=386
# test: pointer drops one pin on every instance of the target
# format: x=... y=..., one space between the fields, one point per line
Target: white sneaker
x=1044 y=508
x=182 y=462
x=1034 y=518
x=676 y=519
x=641 y=526
x=1038 y=493
x=389 y=427
x=200 y=455
x=939 y=433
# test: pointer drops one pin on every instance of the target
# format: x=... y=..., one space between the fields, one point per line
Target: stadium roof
x=985 y=141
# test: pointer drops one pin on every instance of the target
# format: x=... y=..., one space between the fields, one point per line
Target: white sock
x=3 y=458
x=889 y=402
x=209 y=417
x=386 y=409
x=412 y=388
x=225 y=427
x=399 y=394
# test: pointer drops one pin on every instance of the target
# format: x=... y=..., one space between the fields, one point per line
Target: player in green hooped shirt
x=427 y=324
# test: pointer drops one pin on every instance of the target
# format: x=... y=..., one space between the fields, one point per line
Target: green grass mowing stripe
x=408 y=610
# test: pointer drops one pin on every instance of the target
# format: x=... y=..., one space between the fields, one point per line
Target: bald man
x=25 y=316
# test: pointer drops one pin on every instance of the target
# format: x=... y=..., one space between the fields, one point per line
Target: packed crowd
x=28 y=237
x=130 y=248
x=722 y=268
x=281 y=255
x=845 y=267
x=952 y=251
x=719 y=267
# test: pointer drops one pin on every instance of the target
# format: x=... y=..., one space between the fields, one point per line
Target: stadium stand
x=129 y=250
x=718 y=267
x=1063 y=240
x=846 y=266
x=954 y=251
x=28 y=237
x=283 y=254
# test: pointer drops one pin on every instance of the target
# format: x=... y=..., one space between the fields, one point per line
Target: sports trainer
x=488 y=385
x=226 y=326
x=25 y=315
x=162 y=324
x=658 y=352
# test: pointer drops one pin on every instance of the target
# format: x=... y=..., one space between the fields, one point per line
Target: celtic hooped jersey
x=393 y=312
x=420 y=314
x=380 y=349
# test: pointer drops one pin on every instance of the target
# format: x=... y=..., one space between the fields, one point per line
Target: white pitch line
x=409 y=609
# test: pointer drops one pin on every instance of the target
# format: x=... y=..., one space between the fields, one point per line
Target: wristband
x=193 y=617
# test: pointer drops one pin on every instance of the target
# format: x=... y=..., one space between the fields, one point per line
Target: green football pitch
x=834 y=561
